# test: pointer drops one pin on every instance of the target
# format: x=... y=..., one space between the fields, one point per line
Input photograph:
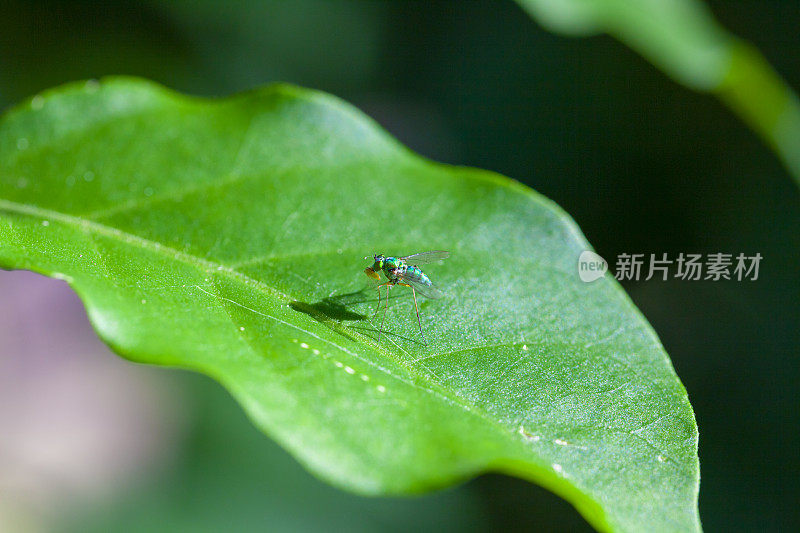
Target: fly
x=406 y=272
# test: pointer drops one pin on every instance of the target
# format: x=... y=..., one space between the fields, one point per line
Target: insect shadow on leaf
x=335 y=307
x=333 y=310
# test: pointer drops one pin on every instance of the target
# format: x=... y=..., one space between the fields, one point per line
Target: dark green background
x=642 y=164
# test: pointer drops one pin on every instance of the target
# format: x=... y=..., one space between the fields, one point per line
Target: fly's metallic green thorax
x=393 y=267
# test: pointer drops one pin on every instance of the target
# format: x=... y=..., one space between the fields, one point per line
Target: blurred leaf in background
x=682 y=38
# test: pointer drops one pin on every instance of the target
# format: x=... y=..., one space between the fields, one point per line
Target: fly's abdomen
x=416 y=275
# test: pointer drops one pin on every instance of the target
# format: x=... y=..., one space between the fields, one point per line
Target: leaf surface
x=228 y=236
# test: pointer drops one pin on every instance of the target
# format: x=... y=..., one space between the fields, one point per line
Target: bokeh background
x=89 y=442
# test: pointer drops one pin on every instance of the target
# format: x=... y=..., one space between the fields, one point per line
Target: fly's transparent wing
x=425 y=257
x=428 y=291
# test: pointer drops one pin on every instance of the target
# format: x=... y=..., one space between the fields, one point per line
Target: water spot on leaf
x=527 y=435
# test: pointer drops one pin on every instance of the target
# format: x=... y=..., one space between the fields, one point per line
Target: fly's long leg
x=419 y=322
x=378 y=308
x=380 y=331
x=416 y=308
x=379 y=287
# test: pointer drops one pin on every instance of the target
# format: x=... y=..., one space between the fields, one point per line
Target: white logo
x=591 y=266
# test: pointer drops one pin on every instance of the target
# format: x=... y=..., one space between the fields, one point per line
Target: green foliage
x=227 y=237
x=682 y=38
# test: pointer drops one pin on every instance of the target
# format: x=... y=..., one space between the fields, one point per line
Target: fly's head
x=377 y=266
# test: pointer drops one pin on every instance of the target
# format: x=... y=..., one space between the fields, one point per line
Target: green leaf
x=682 y=38
x=228 y=237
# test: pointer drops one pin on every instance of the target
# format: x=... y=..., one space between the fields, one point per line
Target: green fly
x=406 y=272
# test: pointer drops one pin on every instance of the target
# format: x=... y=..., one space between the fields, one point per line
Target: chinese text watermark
x=690 y=267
